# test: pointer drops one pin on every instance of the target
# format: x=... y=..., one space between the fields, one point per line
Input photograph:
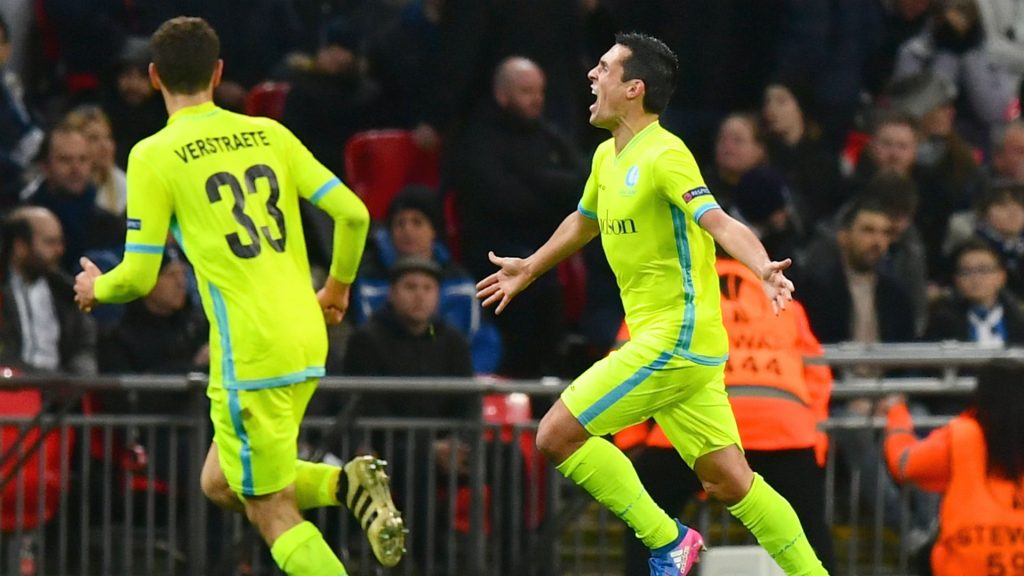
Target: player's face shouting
x=607 y=85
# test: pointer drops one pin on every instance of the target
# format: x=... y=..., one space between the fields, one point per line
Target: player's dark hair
x=997 y=401
x=654 y=63
x=5 y=32
x=185 y=52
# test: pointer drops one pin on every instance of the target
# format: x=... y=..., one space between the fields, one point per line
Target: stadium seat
x=267 y=99
x=854 y=146
x=25 y=515
x=509 y=411
x=379 y=163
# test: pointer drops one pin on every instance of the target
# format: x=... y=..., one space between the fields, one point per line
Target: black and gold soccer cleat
x=369 y=500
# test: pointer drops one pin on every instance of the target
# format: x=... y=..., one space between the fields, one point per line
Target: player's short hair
x=654 y=63
x=185 y=52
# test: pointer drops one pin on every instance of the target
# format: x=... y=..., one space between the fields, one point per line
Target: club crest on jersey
x=696 y=193
x=632 y=176
x=134 y=224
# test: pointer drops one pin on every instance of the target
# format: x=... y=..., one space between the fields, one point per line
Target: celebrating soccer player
x=228 y=187
x=658 y=224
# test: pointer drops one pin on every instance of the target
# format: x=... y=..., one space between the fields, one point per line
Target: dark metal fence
x=86 y=490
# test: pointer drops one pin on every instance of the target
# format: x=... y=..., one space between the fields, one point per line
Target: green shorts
x=633 y=384
x=257 y=432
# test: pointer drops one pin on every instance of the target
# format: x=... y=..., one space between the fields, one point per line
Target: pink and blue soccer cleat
x=677 y=558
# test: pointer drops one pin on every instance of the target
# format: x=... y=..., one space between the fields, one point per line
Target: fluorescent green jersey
x=648 y=201
x=228 y=187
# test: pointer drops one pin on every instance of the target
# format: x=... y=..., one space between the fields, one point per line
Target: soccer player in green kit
x=228 y=187
x=658 y=224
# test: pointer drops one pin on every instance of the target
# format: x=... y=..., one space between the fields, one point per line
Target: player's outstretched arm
x=743 y=245
x=515 y=274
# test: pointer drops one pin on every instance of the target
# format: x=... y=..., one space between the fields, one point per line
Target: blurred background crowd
x=876 y=142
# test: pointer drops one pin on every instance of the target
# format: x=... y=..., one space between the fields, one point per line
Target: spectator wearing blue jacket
x=411 y=229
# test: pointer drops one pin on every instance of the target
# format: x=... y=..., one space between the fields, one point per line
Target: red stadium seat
x=25 y=515
x=267 y=99
x=510 y=410
x=852 y=150
x=379 y=163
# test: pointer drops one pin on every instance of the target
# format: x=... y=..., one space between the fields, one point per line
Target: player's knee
x=548 y=443
x=730 y=485
x=559 y=434
x=267 y=509
x=729 y=490
x=725 y=475
x=215 y=487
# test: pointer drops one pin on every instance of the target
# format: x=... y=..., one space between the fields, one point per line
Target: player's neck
x=629 y=127
x=175 y=102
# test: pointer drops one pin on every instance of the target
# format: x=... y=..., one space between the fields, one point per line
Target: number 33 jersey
x=228 y=186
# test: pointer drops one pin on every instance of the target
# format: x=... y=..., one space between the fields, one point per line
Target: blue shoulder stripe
x=144 y=248
x=319 y=194
x=585 y=212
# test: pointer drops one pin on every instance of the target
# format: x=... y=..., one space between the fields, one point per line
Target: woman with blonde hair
x=111 y=182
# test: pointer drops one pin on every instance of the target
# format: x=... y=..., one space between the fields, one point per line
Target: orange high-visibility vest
x=979 y=530
x=777 y=399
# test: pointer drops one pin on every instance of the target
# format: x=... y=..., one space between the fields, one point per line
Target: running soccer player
x=658 y=224
x=228 y=187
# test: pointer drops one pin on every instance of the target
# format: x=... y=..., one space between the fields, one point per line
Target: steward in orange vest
x=778 y=400
x=977 y=462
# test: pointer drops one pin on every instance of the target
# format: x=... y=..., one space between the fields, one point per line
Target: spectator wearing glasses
x=980 y=309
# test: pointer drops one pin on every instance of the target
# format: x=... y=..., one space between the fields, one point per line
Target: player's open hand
x=778 y=288
x=85 y=285
x=502 y=286
x=333 y=298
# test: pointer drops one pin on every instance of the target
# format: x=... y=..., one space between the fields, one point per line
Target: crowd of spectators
x=876 y=142
x=870 y=163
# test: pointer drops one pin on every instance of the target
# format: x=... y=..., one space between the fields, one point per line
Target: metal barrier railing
x=103 y=493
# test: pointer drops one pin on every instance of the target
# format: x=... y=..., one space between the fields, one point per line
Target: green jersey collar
x=198 y=111
x=653 y=126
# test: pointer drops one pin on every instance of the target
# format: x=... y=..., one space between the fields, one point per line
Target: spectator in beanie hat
x=412 y=228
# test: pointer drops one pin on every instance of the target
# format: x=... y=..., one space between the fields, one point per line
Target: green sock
x=775 y=525
x=316 y=484
x=603 y=470
x=301 y=551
